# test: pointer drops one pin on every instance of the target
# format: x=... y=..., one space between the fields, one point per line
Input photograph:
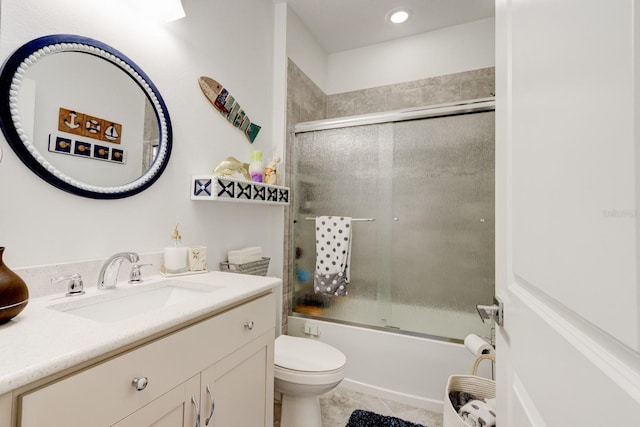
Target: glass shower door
x=338 y=173
x=443 y=233
x=426 y=258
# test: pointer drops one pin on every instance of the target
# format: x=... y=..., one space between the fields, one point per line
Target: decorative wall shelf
x=222 y=188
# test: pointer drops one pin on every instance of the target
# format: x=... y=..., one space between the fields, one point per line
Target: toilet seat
x=307 y=355
x=308 y=378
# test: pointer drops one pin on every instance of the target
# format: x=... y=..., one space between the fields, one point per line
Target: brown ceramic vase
x=14 y=294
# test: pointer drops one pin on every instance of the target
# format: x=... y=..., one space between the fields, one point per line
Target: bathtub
x=404 y=368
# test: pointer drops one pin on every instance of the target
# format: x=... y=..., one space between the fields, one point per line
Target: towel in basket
x=471 y=385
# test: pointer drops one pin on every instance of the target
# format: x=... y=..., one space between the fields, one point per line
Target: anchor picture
x=78 y=123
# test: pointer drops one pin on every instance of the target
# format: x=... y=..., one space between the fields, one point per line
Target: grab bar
x=313 y=218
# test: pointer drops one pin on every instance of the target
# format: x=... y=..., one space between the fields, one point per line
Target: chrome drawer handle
x=213 y=406
x=249 y=325
x=140 y=383
x=196 y=408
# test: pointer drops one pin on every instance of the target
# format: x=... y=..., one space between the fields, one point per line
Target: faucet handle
x=135 y=275
x=75 y=286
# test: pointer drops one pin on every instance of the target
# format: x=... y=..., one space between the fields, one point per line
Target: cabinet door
x=241 y=386
x=177 y=407
x=5 y=409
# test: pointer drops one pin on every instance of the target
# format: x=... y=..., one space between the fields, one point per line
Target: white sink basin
x=117 y=305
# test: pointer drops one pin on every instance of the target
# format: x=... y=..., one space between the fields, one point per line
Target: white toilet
x=304 y=369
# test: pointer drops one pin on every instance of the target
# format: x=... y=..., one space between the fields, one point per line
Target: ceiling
x=340 y=25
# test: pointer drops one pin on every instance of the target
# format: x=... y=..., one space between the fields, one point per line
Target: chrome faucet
x=109 y=272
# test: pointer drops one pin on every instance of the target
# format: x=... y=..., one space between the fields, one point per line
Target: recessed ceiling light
x=398 y=16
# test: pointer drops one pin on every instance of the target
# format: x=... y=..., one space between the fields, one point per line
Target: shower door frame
x=440 y=110
x=434 y=111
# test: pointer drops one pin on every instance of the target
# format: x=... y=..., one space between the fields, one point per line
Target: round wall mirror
x=84 y=117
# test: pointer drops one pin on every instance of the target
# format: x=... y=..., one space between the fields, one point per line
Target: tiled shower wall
x=307 y=102
x=418 y=93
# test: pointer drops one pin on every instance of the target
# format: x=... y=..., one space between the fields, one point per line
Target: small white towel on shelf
x=245 y=255
x=333 y=255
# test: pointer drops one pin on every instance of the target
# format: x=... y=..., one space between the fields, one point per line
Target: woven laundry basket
x=482 y=388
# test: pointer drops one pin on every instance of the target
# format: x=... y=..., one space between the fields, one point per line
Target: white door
x=567 y=219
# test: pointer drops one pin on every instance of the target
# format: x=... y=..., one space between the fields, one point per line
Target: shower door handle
x=494 y=312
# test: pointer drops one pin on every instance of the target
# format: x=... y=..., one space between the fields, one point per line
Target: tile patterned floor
x=337 y=405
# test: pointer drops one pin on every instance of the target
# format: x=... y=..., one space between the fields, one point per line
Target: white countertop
x=42 y=341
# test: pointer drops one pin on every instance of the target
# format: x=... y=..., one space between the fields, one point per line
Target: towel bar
x=313 y=218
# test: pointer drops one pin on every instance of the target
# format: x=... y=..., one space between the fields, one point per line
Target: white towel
x=478 y=413
x=333 y=255
x=245 y=255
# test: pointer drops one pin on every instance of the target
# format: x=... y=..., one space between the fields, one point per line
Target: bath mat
x=361 y=418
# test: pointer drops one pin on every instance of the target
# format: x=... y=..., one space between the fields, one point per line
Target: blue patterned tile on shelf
x=202 y=187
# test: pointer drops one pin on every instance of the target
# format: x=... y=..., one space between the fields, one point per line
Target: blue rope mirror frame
x=11 y=77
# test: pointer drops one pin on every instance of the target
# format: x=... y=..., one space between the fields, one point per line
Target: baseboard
x=383 y=393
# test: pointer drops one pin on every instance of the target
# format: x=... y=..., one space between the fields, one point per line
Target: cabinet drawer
x=104 y=394
x=236 y=328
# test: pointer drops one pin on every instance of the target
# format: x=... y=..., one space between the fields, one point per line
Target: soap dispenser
x=175 y=256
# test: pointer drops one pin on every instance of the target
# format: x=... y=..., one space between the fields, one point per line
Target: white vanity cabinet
x=225 y=361
x=5 y=409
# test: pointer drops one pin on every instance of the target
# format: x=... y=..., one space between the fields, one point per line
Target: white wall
x=450 y=50
x=305 y=51
x=231 y=42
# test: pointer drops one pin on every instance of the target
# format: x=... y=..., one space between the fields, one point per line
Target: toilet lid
x=305 y=354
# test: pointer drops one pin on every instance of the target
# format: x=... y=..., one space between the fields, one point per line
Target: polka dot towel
x=333 y=255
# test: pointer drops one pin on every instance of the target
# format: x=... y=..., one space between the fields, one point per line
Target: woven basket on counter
x=256 y=268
